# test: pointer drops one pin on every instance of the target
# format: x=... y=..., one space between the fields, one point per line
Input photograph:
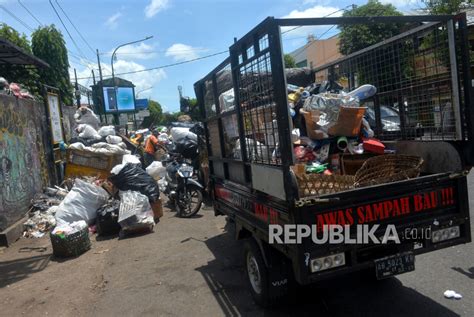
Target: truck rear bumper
x=360 y=257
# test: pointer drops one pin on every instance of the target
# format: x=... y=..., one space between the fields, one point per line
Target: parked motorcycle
x=180 y=186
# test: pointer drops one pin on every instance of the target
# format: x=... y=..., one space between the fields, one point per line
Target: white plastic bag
x=226 y=100
x=163 y=137
x=156 y=170
x=106 y=131
x=77 y=146
x=117 y=168
x=180 y=133
x=112 y=139
x=81 y=203
x=135 y=211
x=86 y=131
x=129 y=158
x=85 y=115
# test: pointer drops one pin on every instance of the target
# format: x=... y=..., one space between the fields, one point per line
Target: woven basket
x=71 y=245
x=388 y=168
x=320 y=184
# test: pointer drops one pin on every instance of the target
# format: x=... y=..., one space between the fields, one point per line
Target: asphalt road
x=193 y=267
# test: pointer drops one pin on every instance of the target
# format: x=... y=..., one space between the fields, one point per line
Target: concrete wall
x=25 y=161
x=323 y=51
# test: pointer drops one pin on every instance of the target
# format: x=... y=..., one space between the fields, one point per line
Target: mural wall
x=25 y=161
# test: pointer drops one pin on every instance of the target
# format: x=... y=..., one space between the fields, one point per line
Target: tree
x=446 y=6
x=289 y=61
x=356 y=37
x=26 y=76
x=48 y=44
x=169 y=117
x=156 y=112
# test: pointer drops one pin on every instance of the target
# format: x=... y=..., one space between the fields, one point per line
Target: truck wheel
x=267 y=285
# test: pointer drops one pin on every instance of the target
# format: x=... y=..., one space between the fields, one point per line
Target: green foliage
x=445 y=6
x=26 y=76
x=156 y=112
x=48 y=44
x=191 y=107
x=169 y=117
x=356 y=37
x=289 y=61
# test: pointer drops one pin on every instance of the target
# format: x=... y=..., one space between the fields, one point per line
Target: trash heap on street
x=105 y=190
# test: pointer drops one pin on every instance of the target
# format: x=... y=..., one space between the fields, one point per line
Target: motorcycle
x=181 y=188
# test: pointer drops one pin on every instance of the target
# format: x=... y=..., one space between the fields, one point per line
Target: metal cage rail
x=422 y=77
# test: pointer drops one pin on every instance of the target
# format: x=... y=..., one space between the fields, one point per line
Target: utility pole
x=101 y=88
x=97 y=107
x=77 y=92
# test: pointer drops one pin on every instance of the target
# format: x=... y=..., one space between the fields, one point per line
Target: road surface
x=192 y=267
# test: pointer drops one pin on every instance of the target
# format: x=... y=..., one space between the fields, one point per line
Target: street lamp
x=125 y=44
x=112 y=66
x=140 y=91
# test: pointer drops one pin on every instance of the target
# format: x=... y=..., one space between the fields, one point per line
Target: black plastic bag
x=107 y=218
x=133 y=177
x=187 y=148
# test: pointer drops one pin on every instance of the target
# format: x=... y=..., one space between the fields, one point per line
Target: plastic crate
x=82 y=163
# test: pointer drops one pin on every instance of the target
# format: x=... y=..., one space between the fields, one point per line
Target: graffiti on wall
x=23 y=158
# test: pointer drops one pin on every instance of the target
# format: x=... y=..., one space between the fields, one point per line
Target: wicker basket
x=320 y=184
x=71 y=245
x=388 y=168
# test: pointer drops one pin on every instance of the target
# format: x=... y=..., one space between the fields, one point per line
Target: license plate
x=395 y=264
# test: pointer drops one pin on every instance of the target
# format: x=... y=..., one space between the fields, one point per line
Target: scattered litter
x=101 y=251
x=452 y=294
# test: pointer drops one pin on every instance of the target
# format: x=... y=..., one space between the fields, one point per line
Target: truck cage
x=423 y=72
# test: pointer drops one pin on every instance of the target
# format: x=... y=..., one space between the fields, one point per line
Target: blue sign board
x=141 y=104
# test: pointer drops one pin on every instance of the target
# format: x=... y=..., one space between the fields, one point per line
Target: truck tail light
x=328 y=262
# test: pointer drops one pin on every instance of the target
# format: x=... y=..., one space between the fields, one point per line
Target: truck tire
x=267 y=284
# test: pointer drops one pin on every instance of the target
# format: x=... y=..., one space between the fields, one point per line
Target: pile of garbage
x=91 y=138
x=42 y=213
x=14 y=89
x=328 y=124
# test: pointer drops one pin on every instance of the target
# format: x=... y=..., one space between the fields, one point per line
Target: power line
x=328 y=15
x=67 y=31
x=75 y=28
x=165 y=66
x=17 y=18
x=158 y=51
x=29 y=12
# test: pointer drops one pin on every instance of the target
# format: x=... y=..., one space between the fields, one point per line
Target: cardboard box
x=157 y=208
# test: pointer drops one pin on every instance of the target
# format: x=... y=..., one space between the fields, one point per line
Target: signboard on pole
x=55 y=118
x=119 y=99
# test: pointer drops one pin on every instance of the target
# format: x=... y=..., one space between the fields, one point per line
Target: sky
x=182 y=31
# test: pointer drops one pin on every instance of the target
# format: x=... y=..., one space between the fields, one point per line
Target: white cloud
x=141 y=80
x=399 y=3
x=182 y=52
x=317 y=11
x=154 y=7
x=112 y=21
x=140 y=51
x=320 y=2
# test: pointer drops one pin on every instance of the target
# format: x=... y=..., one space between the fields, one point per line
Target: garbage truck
x=293 y=157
